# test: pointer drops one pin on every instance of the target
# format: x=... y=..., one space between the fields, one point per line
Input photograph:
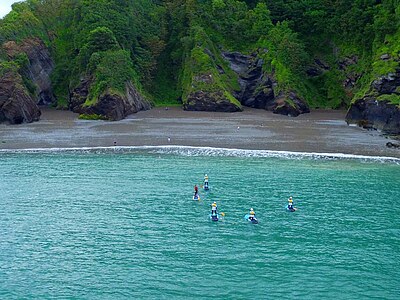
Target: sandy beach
x=319 y=131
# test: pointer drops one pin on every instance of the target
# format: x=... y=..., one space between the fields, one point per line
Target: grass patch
x=92 y=117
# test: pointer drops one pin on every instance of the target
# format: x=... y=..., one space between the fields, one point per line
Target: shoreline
x=321 y=131
x=211 y=151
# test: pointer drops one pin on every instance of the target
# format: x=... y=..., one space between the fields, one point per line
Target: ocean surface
x=120 y=223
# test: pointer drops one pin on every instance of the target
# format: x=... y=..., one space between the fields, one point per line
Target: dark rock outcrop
x=16 y=105
x=113 y=106
x=257 y=87
x=387 y=84
x=79 y=95
x=348 y=61
x=206 y=95
x=210 y=101
x=392 y=145
x=371 y=113
x=317 y=69
x=351 y=77
x=39 y=69
x=290 y=105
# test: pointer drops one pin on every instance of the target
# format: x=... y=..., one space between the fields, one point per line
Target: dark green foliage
x=21 y=23
x=6 y=66
x=111 y=70
x=101 y=39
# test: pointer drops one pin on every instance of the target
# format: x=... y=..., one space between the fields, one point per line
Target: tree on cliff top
x=101 y=39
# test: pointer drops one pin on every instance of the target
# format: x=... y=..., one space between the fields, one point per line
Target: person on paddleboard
x=252 y=214
x=214 y=209
x=205 y=181
x=290 y=204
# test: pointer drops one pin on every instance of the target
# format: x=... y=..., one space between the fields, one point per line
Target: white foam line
x=207 y=150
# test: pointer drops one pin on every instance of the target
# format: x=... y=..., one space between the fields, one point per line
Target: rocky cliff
x=373 y=111
x=111 y=105
x=204 y=95
x=16 y=105
x=208 y=83
x=38 y=69
x=257 y=87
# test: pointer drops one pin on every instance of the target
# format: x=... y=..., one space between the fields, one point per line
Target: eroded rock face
x=371 y=113
x=290 y=105
x=40 y=66
x=257 y=87
x=16 y=105
x=112 y=106
x=79 y=95
x=387 y=84
x=210 y=101
x=205 y=97
x=317 y=68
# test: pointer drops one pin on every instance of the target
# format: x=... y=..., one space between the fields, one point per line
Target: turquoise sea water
x=122 y=224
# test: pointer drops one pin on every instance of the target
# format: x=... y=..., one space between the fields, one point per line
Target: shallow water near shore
x=121 y=223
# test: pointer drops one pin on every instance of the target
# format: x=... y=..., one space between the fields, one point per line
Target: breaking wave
x=208 y=151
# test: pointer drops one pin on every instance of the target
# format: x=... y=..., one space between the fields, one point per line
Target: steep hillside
x=109 y=58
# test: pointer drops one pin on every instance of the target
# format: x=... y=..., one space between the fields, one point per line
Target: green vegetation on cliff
x=327 y=52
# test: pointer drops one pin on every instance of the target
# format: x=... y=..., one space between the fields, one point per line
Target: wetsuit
x=213 y=210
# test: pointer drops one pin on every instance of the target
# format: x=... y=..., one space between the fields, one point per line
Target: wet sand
x=320 y=131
